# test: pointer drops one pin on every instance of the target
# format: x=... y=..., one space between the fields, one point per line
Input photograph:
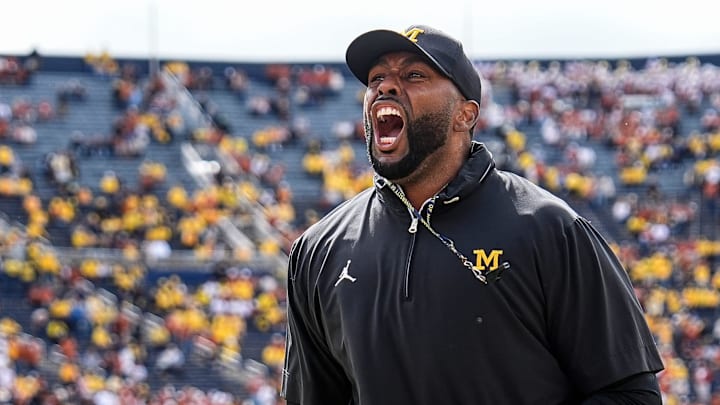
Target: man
x=450 y=281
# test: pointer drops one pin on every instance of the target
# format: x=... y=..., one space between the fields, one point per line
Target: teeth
x=385 y=111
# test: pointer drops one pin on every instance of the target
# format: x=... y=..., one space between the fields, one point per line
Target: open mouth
x=388 y=126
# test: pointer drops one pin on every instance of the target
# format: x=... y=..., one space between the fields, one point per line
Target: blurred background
x=158 y=158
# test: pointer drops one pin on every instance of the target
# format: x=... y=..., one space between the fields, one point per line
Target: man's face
x=408 y=114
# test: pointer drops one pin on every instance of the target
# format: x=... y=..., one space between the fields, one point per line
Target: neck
x=433 y=175
x=418 y=194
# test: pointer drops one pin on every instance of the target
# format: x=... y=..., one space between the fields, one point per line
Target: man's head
x=438 y=49
x=421 y=103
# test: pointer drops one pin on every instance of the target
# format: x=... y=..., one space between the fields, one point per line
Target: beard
x=425 y=135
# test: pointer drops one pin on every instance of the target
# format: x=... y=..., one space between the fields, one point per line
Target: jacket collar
x=471 y=174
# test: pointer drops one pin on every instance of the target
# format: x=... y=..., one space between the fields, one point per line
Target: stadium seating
x=219 y=118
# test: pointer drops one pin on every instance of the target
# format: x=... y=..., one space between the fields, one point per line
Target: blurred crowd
x=108 y=327
x=98 y=330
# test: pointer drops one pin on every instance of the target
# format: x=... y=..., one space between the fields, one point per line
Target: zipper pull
x=413 y=224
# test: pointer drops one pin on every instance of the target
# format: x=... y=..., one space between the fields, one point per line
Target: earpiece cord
x=449 y=243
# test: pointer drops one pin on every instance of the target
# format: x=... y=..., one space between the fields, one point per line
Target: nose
x=389 y=86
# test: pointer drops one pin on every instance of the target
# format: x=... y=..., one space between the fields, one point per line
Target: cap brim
x=362 y=53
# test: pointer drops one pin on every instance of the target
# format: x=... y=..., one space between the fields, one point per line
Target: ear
x=467 y=116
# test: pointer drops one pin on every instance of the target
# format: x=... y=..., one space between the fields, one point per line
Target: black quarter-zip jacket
x=382 y=311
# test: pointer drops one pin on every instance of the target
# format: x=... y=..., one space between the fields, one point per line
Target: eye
x=376 y=78
x=414 y=75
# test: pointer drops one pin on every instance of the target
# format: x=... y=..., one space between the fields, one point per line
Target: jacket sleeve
x=597 y=327
x=311 y=374
x=640 y=389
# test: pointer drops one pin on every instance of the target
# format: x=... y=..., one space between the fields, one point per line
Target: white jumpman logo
x=344 y=275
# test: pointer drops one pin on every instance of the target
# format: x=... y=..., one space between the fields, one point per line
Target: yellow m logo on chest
x=485 y=261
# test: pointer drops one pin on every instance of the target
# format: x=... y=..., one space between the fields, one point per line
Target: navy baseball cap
x=438 y=49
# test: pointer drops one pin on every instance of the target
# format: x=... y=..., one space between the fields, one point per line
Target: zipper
x=412 y=229
x=414 y=220
x=408 y=263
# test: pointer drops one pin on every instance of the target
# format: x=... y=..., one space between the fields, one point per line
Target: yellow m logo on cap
x=413 y=33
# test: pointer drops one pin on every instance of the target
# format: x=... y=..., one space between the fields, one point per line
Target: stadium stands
x=144 y=256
